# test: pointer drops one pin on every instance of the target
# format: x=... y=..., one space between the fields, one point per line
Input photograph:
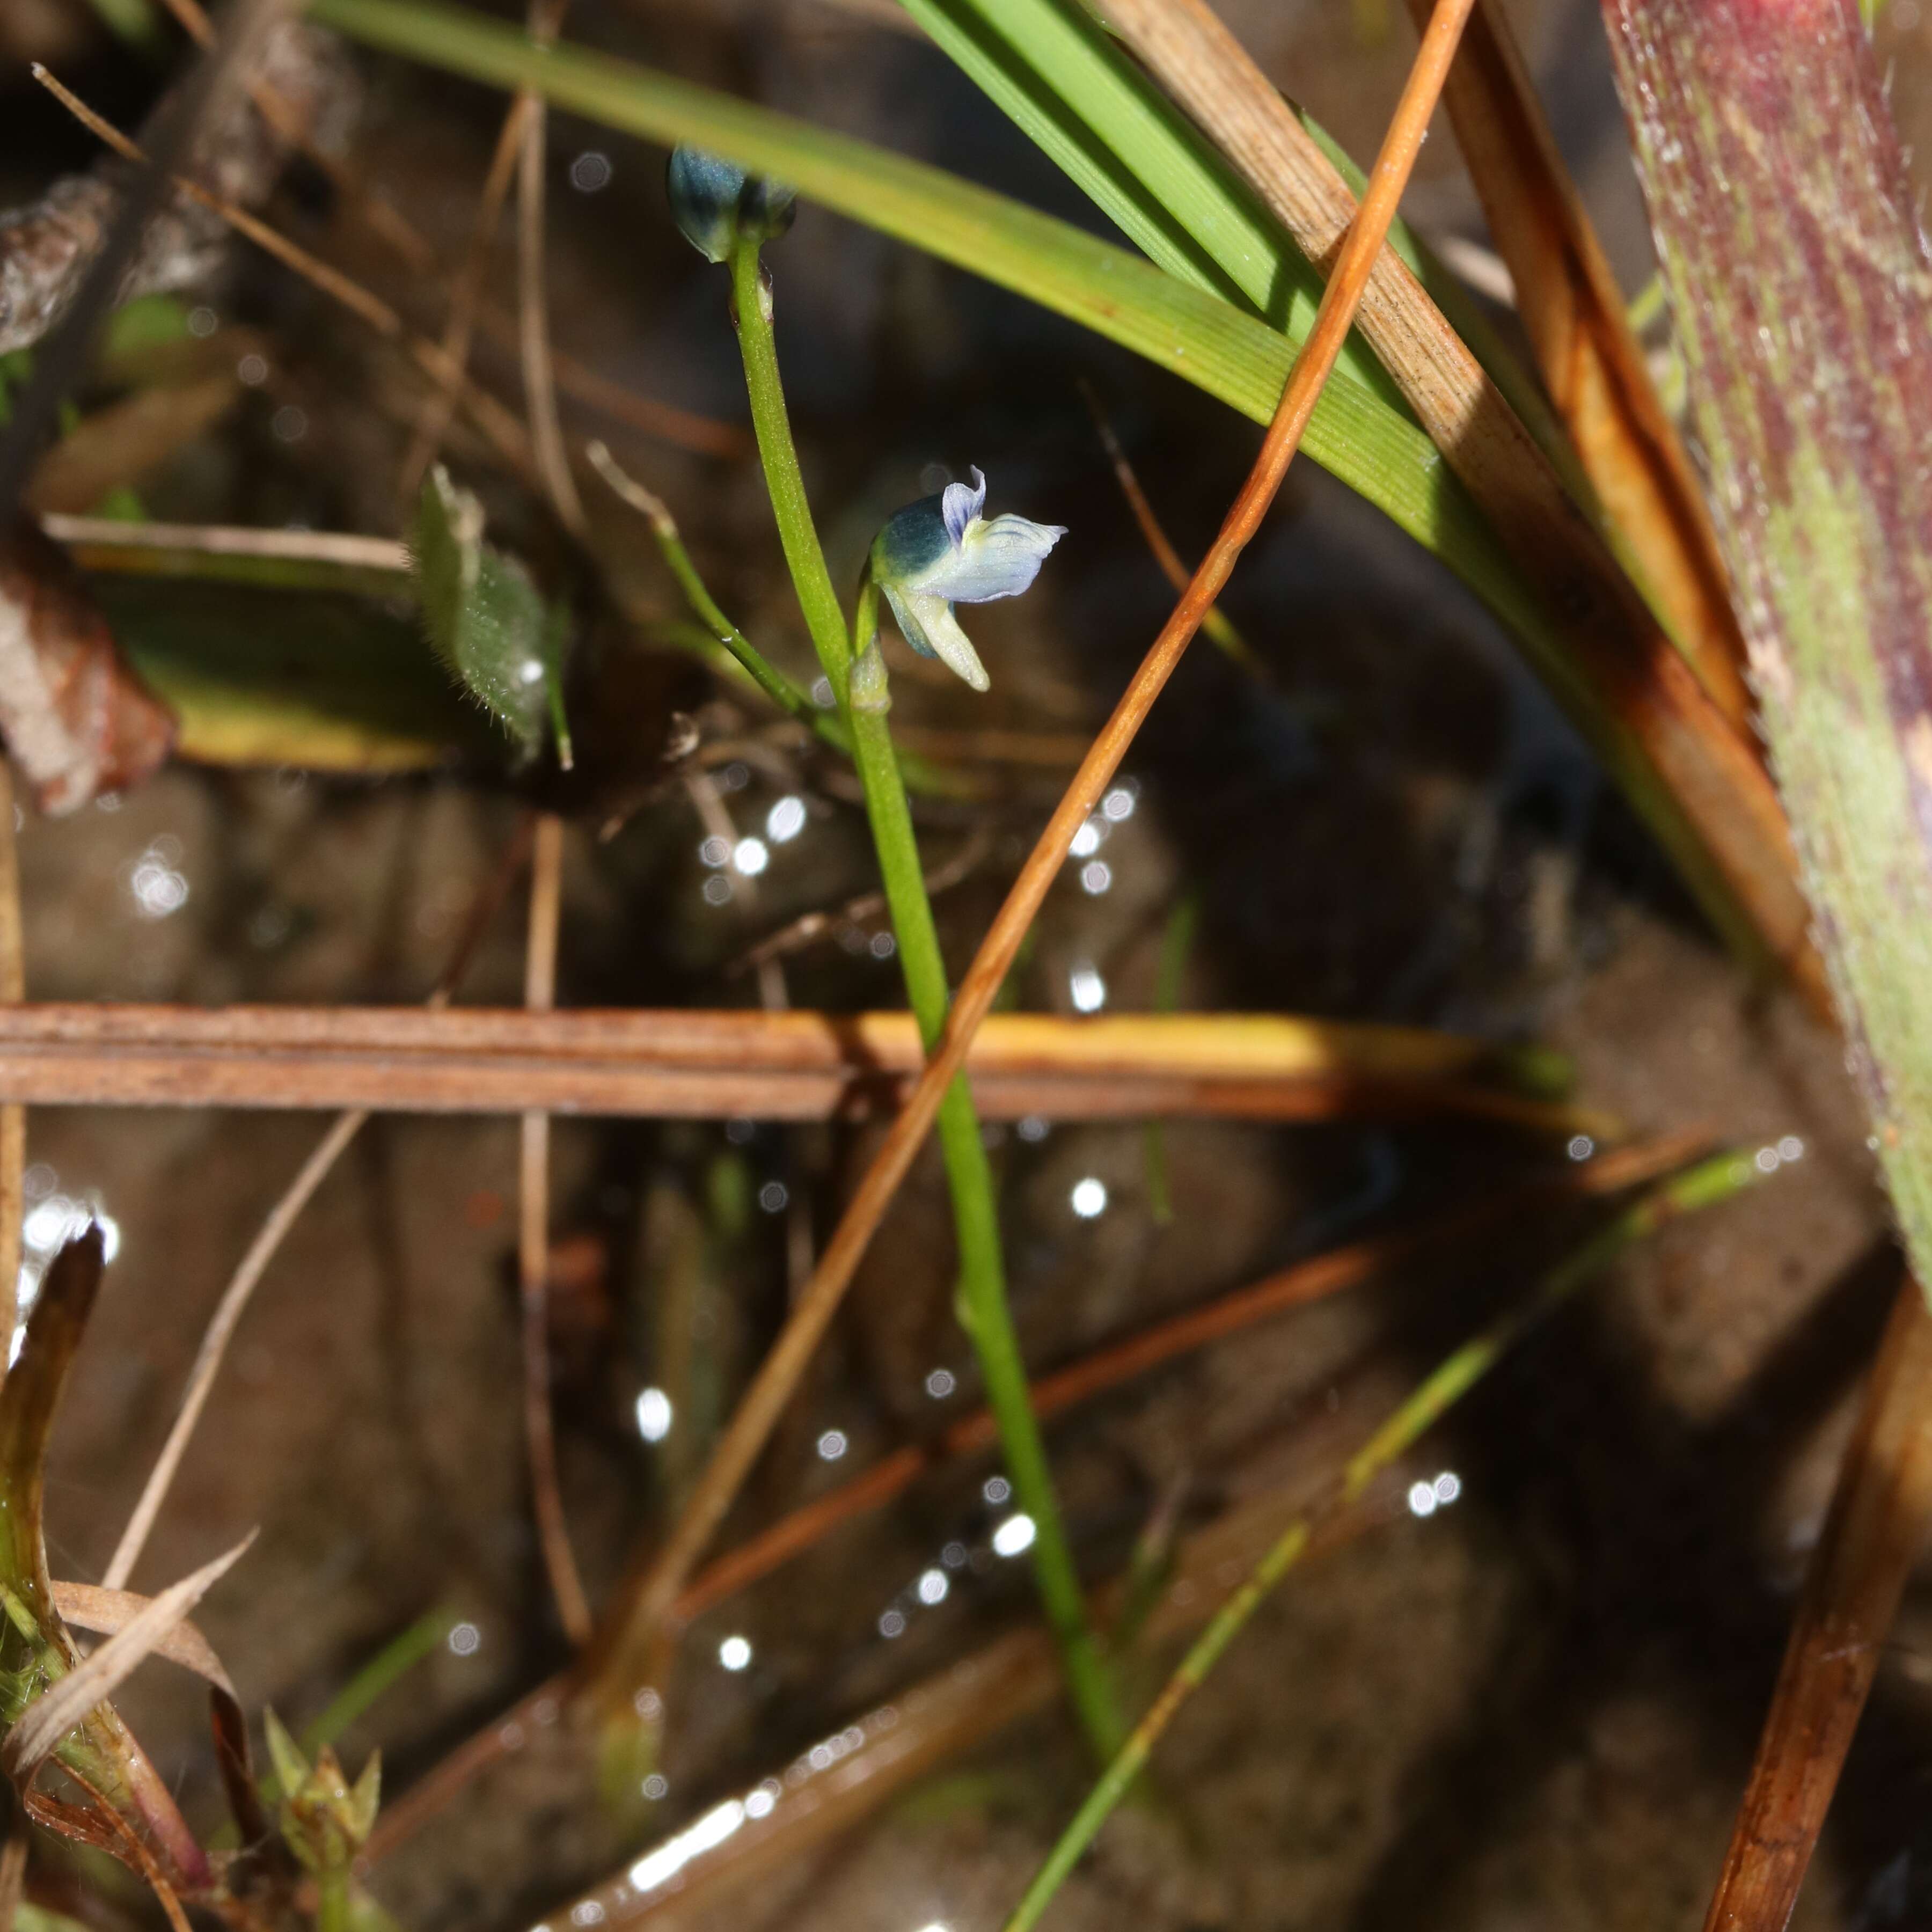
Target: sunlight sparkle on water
x=1013 y=1537
x=654 y=1415
x=1425 y=1498
x=671 y=1858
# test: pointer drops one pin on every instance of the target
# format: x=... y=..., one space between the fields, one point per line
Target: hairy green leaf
x=484 y=615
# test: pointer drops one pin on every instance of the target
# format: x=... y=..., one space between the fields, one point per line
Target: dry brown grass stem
x=1618 y=668
x=505 y=433
x=1108 y=1368
x=655 y=1586
x=545 y=19
x=705 y=435
x=219 y=1331
x=273 y=1230
x=566 y=1584
x=12 y=1114
x=699 y=1064
x=1875 y=1530
x=13 y=1876
x=466 y=292
x=111 y=533
x=1574 y=315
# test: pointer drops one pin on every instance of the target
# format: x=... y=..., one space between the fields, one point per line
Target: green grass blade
x=1054 y=71
x=1221 y=348
x=1233 y=355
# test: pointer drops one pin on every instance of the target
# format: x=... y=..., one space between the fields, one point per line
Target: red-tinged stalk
x=1802 y=294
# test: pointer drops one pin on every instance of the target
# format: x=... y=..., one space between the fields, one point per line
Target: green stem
x=1710 y=1181
x=372 y=1681
x=863 y=701
x=1176 y=943
x=331 y=1909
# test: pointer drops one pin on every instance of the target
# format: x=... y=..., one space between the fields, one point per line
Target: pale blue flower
x=715 y=202
x=939 y=552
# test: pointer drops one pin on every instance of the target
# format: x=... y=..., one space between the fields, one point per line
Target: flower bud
x=717 y=205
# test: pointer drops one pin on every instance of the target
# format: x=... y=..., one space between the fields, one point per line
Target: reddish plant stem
x=1880 y=1510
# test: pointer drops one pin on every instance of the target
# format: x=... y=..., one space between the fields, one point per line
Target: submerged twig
x=634 y=1617
x=812 y=926
x=1712 y=1180
x=1874 y=1533
x=1107 y=1368
x=533 y=1251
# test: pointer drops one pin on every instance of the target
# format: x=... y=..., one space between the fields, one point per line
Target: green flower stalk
x=921 y=561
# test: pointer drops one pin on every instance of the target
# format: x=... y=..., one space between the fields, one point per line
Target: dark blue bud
x=716 y=203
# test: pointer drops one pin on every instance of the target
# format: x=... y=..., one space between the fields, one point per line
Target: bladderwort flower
x=717 y=205
x=941 y=551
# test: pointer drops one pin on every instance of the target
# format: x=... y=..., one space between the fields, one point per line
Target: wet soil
x=1532 y=1709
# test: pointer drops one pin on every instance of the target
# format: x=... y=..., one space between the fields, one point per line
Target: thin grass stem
x=1177 y=945
x=573 y=1606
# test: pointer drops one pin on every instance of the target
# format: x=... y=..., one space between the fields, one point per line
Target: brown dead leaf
x=1573 y=312
x=76 y=719
x=107 y=1612
x=126 y=441
x=67 y=1701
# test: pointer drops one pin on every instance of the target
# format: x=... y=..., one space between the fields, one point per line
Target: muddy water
x=1531 y=1708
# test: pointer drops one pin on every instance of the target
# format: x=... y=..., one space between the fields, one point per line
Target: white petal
x=1000 y=559
x=928 y=624
x=961 y=505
